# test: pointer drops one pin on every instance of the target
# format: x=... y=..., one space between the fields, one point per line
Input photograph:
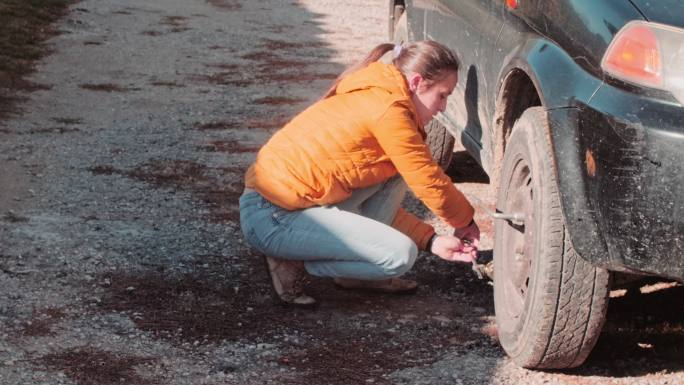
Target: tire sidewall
x=440 y=142
x=526 y=143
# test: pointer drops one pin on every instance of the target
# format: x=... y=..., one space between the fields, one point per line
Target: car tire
x=440 y=142
x=550 y=303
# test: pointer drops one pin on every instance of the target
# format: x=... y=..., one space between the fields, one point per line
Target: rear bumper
x=620 y=161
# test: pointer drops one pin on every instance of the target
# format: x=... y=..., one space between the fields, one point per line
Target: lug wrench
x=514 y=218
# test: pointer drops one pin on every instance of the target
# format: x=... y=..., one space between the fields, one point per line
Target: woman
x=324 y=193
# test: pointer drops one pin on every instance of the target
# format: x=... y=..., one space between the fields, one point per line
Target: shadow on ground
x=465 y=169
x=644 y=333
x=352 y=337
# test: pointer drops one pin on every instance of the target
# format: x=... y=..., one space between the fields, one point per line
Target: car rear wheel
x=550 y=303
x=441 y=143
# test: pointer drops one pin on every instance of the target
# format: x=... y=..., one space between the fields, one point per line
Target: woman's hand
x=469 y=235
x=451 y=248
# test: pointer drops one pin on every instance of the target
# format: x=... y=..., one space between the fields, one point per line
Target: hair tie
x=397 y=49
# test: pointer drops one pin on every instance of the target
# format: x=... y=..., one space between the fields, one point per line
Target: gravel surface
x=121 y=258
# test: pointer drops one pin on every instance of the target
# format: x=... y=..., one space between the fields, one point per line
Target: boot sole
x=277 y=299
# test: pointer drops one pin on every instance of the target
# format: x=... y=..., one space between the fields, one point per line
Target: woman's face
x=430 y=99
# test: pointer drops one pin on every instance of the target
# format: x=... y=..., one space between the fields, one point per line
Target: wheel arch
x=517 y=93
x=564 y=90
x=536 y=73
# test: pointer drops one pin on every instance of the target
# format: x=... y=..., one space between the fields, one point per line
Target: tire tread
x=571 y=295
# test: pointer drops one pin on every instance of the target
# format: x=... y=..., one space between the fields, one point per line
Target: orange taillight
x=634 y=55
x=512 y=4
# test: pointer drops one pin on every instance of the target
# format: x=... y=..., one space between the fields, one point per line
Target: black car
x=575 y=110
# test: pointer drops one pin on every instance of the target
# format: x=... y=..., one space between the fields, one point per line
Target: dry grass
x=24 y=27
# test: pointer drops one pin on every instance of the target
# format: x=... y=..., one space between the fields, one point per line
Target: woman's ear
x=414 y=81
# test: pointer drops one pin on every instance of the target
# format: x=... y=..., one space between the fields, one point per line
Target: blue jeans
x=350 y=239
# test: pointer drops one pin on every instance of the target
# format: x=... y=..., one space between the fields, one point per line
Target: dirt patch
x=108 y=87
x=89 y=366
x=268 y=124
x=270 y=68
x=174 y=21
x=219 y=125
x=41 y=322
x=220 y=197
x=274 y=62
x=167 y=84
x=223 y=78
x=229 y=146
x=274 y=68
x=259 y=56
x=104 y=170
x=178 y=23
x=151 y=33
x=380 y=343
x=201 y=309
x=225 y=5
x=224 y=66
x=45 y=130
x=171 y=173
x=193 y=308
x=24 y=27
x=13 y=217
x=253 y=123
x=53 y=130
x=278 y=101
x=301 y=78
x=66 y=120
x=275 y=45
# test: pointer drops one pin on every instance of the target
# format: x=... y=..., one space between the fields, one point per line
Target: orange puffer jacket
x=361 y=136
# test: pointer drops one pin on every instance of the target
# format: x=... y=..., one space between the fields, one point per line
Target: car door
x=470 y=28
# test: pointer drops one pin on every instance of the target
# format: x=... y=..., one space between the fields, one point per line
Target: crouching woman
x=324 y=194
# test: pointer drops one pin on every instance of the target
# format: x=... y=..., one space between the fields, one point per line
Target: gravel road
x=121 y=258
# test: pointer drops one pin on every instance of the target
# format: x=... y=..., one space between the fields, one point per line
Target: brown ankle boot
x=391 y=285
x=287 y=280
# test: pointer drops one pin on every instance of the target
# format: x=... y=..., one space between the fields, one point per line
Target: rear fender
x=562 y=87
